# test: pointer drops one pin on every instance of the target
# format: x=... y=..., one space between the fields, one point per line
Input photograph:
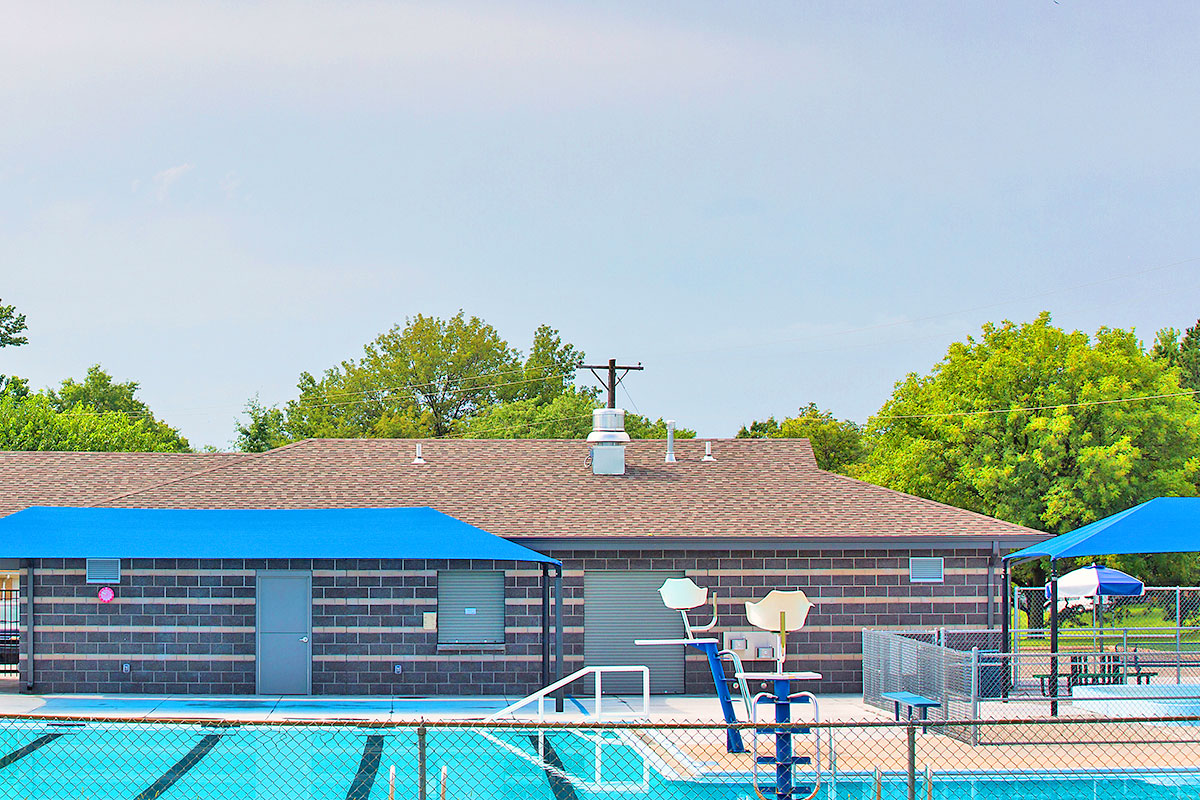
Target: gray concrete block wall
x=181 y=626
x=187 y=626
x=853 y=589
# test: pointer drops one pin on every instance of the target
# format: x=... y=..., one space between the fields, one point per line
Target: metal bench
x=911 y=701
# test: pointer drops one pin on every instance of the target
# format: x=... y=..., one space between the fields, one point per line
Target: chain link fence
x=1163 y=618
x=99 y=759
x=965 y=675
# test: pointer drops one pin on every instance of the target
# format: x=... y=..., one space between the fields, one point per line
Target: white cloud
x=163 y=181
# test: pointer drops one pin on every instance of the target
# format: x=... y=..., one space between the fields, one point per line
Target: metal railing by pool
x=965 y=676
x=10 y=638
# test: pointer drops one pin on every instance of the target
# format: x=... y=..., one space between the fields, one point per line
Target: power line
x=413 y=395
x=885 y=325
x=1041 y=408
x=537 y=423
x=298 y=404
x=611 y=367
x=435 y=384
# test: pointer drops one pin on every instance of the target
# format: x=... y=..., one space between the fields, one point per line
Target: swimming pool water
x=195 y=762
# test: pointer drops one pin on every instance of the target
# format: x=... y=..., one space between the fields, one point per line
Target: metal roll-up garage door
x=619 y=607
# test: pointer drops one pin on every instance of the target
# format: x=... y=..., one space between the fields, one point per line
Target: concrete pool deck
x=673 y=708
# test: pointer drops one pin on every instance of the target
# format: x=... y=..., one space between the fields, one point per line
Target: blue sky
x=765 y=203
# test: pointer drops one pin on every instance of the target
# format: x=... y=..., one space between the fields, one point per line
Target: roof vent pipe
x=708 y=456
x=418 y=459
x=670 y=441
x=608 y=438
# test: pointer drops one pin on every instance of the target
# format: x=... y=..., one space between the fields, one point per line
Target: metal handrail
x=540 y=694
x=738 y=670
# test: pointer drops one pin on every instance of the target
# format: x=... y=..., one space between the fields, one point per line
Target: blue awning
x=57 y=532
x=1161 y=525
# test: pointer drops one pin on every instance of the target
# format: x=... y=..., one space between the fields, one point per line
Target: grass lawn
x=1147 y=618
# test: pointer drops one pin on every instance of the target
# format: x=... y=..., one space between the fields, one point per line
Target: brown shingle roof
x=526 y=488
x=51 y=478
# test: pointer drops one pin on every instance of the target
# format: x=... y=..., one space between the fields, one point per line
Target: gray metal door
x=284 y=659
x=619 y=607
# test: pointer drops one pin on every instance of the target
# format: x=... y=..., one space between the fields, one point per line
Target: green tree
x=837 y=444
x=432 y=377
x=550 y=367
x=640 y=427
x=1183 y=354
x=32 y=423
x=12 y=325
x=263 y=431
x=566 y=416
x=97 y=392
x=1019 y=425
x=424 y=379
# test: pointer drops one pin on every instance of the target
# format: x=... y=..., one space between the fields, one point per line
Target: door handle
x=304 y=639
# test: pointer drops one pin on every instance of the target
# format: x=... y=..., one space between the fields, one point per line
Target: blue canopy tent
x=1161 y=525
x=327 y=533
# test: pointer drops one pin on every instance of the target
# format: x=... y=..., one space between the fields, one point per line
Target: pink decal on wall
x=106 y=595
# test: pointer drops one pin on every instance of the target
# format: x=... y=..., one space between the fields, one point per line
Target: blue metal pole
x=733 y=737
x=783 y=740
x=558 y=636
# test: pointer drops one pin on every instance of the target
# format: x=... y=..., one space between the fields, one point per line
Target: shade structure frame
x=1161 y=525
x=319 y=533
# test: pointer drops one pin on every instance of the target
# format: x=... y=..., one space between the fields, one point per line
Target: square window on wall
x=470 y=606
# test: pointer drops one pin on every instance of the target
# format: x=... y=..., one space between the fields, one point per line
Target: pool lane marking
x=554 y=769
x=360 y=789
x=17 y=755
x=193 y=757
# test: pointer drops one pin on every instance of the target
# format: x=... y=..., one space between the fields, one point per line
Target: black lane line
x=560 y=786
x=360 y=789
x=17 y=755
x=194 y=756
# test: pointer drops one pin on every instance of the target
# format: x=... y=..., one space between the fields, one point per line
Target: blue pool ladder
x=780 y=778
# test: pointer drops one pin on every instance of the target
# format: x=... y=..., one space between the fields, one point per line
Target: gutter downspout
x=29 y=625
x=545 y=624
x=558 y=636
x=991 y=585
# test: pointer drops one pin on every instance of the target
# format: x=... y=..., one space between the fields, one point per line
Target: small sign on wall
x=105 y=595
x=470 y=612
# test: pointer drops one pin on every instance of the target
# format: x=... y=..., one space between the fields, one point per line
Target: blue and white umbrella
x=1096 y=581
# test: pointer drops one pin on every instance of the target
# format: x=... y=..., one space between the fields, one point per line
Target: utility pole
x=612 y=366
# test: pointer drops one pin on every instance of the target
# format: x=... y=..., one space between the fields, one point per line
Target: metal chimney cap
x=608 y=426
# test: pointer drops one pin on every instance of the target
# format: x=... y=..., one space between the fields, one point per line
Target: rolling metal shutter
x=470 y=607
x=619 y=607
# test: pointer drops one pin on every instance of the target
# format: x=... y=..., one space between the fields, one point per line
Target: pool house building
x=385 y=566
